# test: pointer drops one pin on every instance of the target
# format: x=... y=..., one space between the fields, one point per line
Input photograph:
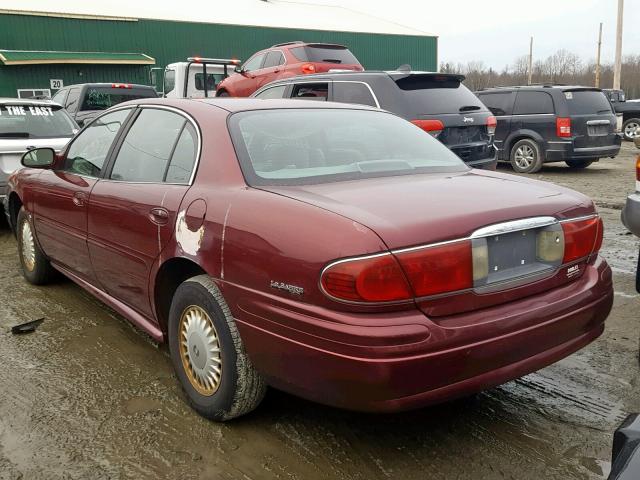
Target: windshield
x=102 y=98
x=587 y=102
x=310 y=146
x=35 y=121
x=436 y=94
x=325 y=54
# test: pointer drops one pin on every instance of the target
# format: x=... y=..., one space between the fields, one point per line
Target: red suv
x=286 y=60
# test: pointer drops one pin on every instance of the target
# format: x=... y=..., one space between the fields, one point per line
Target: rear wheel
x=35 y=265
x=579 y=163
x=222 y=93
x=208 y=355
x=631 y=128
x=526 y=156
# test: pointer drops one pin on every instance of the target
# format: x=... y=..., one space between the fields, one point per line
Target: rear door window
x=148 y=146
x=585 y=102
x=273 y=92
x=102 y=98
x=273 y=59
x=353 y=92
x=499 y=103
x=436 y=94
x=533 y=103
x=89 y=149
x=311 y=91
x=184 y=157
x=325 y=54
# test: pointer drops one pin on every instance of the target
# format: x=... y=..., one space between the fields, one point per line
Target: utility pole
x=618 y=65
x=598 y=58
x=530 y=62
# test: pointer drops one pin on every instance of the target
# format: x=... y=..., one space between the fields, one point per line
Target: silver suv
x=25 y=124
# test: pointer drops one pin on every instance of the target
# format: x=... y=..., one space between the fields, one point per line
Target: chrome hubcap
x=200 y=350
x=524 y=156
x=28 y=247
x=632 y=130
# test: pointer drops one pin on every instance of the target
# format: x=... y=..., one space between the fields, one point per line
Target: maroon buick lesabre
x=336 y=252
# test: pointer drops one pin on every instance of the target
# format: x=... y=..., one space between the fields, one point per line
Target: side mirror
x=238 y=69
x=636 y=140
x=39 y=158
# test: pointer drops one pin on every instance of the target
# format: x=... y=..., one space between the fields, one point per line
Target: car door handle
x=159 y=216
x=79 y=199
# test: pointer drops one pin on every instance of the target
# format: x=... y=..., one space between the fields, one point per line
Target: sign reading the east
x=22 y=110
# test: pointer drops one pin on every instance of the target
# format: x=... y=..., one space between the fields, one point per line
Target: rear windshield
x=311 y=146
x=102 y=98
x=586 y=102
x=436 y=94
x=325 y=54
x=31 y=121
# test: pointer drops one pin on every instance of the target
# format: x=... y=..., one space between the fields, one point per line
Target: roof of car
x=541 y=86
x=245 y=104
x=27 y=101
x=108 y=84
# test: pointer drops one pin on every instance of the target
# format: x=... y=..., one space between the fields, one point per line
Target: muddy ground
x=89 y=397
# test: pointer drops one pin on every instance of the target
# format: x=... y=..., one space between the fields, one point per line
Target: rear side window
x=325 y=54
x=273 y=59
x=148 y=146
x=498 y=103
x=435 y=94
x=311 y=91
x=352 y=92
x=212 y=81
x=533 y=103
x=586 y=102
x=273 y=92
x=72 y=100
x=102 y=98
x=184 y=157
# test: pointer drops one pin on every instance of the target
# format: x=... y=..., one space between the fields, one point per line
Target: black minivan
x=552 y=123
x=438 y=103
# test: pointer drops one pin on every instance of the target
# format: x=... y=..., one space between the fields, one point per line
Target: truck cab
x=196 y=78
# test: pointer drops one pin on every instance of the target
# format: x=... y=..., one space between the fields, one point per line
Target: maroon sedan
x=332 y=251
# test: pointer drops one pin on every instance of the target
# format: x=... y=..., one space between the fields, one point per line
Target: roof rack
x=287 y=43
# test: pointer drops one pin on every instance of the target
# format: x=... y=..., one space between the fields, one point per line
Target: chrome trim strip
x=513 y=226
x=563 y=142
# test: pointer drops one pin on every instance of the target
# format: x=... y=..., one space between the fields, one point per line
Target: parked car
x=630 y=110
x=438 y=103
x=631 y=211
x=625 y=453
x=286 y=60
x=552 y=123
x=86 y=101
x=27 y=123
x=332 y=251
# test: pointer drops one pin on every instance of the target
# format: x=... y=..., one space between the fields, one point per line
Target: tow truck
x=198 y=77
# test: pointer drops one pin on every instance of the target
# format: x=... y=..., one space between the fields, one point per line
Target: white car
x=26 y=124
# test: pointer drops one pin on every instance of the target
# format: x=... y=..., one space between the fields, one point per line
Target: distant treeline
x=561 y=67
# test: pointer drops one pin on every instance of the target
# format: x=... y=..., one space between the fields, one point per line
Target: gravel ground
x=88 y=396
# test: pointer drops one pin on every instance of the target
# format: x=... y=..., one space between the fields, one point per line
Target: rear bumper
x=371 y=371
x=631 y=214
x=561 y=151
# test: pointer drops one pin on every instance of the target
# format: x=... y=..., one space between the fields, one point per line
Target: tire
x=629 y=127
x=223 y=93
x=579 y=163
x=526 y=156
x=237 y=388
x=36 y=267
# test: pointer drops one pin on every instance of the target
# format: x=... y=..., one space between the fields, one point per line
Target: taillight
x=581 y=238
x=433 y=127
x=638 y=173
x=308 y=68
x=120 y=85
x=492 y=123
x=369 y=279
x=563 y=127
x=438 y=269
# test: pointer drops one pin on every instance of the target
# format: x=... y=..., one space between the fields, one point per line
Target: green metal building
x=43 y=51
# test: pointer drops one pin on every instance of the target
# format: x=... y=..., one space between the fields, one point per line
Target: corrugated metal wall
x=174 y=41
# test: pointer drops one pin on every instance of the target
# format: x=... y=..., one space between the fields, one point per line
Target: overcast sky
x=497 y=31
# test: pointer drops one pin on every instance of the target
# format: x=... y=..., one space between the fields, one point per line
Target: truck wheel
x=631 y=129
x=208 y=355
x=222 y=93
x=526 y=156
x=579 y=163
x=35 y=266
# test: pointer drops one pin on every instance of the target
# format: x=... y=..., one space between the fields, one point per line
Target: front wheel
x=579 y=163
x=36 y=267
x=208 y=355
x=631 y=129
x=526 y=156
